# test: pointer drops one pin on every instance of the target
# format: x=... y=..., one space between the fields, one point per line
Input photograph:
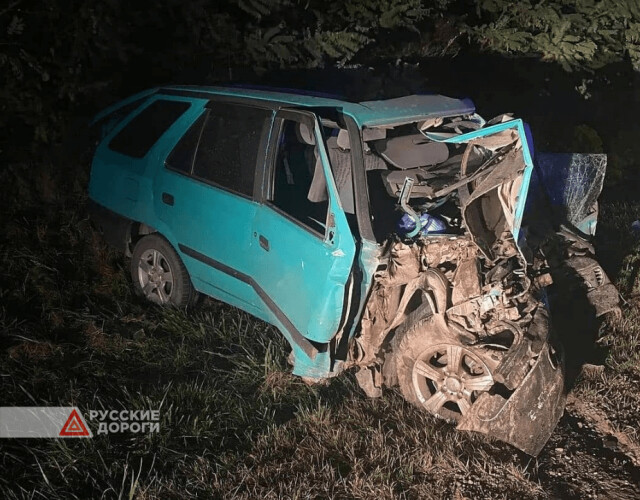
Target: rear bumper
x=115 y=229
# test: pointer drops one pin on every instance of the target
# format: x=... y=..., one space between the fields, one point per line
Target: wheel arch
x=138 y=230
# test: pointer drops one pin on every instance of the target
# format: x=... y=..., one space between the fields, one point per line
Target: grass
x=234 y=422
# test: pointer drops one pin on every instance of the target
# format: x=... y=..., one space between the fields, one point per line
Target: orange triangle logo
x=74 y=426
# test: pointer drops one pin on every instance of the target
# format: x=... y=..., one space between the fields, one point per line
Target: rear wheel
x=159 y=275
x=437 y=372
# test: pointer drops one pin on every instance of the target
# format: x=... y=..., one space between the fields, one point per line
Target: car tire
x=159 y=275
x=437 y=372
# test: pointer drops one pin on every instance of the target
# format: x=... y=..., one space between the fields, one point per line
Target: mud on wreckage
x=458 y=316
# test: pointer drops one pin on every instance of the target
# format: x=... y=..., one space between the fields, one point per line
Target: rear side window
x=109 y=122
x=141 y=133
x=181 y=158
x=230 y=146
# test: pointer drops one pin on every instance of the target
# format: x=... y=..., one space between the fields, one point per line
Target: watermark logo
x=68 y=422
x=115 y=421
x=74 y=426
x=42 y=422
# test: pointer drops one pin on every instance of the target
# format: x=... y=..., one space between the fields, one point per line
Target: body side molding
x=309 y=348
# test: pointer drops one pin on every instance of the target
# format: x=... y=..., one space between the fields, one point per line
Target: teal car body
x=299 y=285
x=309 y=212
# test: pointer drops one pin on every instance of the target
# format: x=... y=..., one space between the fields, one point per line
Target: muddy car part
x=472 y=343
x=464 y=338
x=527 y=417
x=438 y=372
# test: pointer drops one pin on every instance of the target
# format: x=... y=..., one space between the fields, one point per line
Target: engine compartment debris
x=458 y=314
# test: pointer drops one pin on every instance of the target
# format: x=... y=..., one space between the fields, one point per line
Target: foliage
x=52 y=57
x=575 y=33
x=586 y=140
x=56 y=56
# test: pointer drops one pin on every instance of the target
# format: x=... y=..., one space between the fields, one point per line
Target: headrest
x=304 y=133
x=411 y=151
x=373 y=134
x=343 y=139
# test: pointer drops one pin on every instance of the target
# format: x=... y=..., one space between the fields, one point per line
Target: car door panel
x=303 y=274
x=303 y=271
x=211 y=227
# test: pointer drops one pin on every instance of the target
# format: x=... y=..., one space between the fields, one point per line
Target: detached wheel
x=159 y=275
x=437 y=372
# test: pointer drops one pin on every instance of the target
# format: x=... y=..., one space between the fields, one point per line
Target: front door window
x=299 y=186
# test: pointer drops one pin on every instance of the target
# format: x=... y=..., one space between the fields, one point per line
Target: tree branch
x=10 y=7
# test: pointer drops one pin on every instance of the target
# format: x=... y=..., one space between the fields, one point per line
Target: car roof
x=369 y=113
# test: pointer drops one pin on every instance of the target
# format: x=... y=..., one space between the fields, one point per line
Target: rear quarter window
x=105 y=126
x=142 y=132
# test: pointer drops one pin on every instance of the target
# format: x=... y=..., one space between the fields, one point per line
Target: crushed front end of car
x=458 y=316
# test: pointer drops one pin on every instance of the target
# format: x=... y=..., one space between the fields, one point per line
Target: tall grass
x=234 y=421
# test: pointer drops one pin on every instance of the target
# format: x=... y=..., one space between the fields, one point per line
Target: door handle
x=264 y=242
x=167 y=199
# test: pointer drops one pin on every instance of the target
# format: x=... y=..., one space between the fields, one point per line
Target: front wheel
x=437 y=372
x=159 y=275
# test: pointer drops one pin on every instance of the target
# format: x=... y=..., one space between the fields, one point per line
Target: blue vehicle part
x=211 y=231
x=429 y=224
x=572 y=183
x=369 y=113
x=133 y=189
x=295 y=258
x=210 y=227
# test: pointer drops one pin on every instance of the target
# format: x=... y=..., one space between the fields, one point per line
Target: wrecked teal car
x=402 y=238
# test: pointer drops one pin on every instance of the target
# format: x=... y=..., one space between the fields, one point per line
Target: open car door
x=303 y=249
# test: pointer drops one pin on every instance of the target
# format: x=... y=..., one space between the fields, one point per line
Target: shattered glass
x=572 y=182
